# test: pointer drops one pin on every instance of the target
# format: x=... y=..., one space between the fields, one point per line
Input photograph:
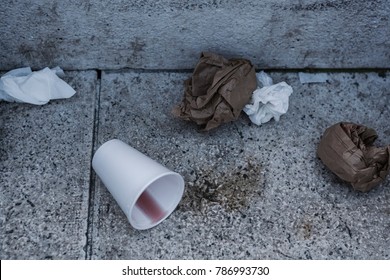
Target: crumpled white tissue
x=38 y=87
x=269 y=101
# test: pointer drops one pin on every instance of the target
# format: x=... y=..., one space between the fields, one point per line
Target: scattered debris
x=268 y=100
x=347 y=150
x=233 y=189
x=217 y=91
x=38 y=88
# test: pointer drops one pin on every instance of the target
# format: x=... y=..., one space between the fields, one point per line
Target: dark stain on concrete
x=232 y=189
x=173 y=5
x=382 y=74
x=137 y=47
x=351 y=6
x=45 y=52
x=86 y=5
x=323 y=5
x=47 y=49
x=291 y=34
x=48 y=12
x=26 y=51
x=3 y=155
x=307 y=230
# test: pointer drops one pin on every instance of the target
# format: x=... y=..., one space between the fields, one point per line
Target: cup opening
x=149 y=206
x=157 y=201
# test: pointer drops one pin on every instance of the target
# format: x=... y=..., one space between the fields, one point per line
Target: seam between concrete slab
x=143 y=70
x=190 y=70
x=380 y=71
x=91 y=199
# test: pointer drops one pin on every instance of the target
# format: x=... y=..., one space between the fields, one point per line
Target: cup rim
x=171 y=207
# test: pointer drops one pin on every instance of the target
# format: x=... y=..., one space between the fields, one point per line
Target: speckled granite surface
x=45 y=156
x=251 y=192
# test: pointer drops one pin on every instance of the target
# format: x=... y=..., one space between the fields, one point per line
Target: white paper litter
x=269 y=101
x=38 y=87
x=309 y=78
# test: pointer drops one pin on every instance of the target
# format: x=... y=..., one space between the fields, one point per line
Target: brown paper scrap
x=347 y=150
x=217 y=91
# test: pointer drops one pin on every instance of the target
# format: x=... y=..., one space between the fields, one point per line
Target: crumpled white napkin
x=269 y=101
x=38 y=87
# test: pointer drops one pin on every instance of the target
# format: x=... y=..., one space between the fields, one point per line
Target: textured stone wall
x=170 y=34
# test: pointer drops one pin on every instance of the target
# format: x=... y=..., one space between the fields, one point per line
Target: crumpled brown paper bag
x=347 y=150
x=217 y=91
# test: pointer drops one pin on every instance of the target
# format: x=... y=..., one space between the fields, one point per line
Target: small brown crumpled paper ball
x=347 y=150
x=217 y=91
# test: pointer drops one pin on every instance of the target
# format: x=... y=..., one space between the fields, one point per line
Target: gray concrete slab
x=45 y=156
x=170 y=34
x=251 y=192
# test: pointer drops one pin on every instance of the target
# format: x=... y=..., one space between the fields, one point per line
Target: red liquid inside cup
x=147 y=204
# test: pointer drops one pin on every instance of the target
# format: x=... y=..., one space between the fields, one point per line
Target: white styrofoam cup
x=146 y=191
